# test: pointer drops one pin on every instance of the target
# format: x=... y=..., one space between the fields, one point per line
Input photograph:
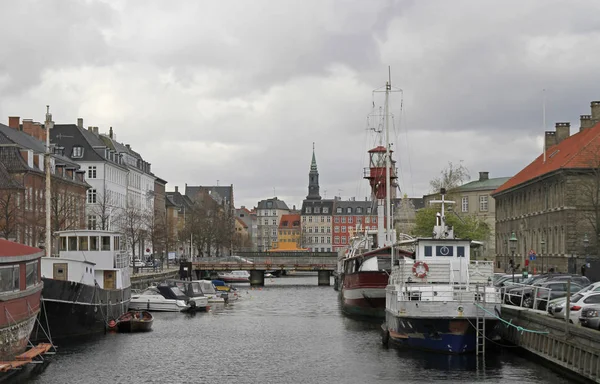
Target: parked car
x=553 y=289
x=590 y=317
x=560 y=301
x=539 y=286
x=578 y=302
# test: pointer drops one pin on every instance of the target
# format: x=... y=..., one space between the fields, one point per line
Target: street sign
x=532 y=255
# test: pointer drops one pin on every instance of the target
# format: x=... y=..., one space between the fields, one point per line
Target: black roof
x=318 y=203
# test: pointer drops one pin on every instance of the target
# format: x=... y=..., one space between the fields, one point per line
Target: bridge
x=259 y=262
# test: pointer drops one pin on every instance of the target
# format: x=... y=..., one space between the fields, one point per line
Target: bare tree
x=104 y=209
x=450 y=177
x=9 y=212
x=134 y=224
x=158 y=231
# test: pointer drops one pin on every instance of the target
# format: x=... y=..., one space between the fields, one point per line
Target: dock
x=31 y=356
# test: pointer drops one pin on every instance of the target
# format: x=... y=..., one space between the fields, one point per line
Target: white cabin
x=90 y=257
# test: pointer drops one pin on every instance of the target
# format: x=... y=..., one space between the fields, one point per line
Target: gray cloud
x=238 y=91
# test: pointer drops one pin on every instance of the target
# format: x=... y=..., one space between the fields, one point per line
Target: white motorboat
x=208 y=289
x=164 y=298
x=235 y=276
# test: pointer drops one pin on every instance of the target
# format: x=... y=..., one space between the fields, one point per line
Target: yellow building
x=289 y=234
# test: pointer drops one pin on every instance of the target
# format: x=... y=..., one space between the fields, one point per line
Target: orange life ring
x=420 y=269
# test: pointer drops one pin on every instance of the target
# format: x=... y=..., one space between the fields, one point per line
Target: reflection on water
x=290 y=331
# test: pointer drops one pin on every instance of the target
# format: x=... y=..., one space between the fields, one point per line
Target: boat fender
x=420 y=269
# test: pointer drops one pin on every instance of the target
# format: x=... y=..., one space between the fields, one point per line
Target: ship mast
x=388 y=165
x=48 y=124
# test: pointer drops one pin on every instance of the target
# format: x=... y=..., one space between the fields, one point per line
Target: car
x=559 y=302
x=590 y=317
x=578 y=302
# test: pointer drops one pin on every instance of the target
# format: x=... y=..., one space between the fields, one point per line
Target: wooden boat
x=135 y=321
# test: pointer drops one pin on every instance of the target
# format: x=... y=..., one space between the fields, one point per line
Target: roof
x=275 y=204
x=219 y=193
x=12 y=159
x=481 y=185
x=355 y=204
x=6 y=180
x=241 y=222
x=9 y=249
x=576 y=151
x=70 y=135
x=289 y=221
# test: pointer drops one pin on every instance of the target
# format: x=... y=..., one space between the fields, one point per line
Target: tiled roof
x=218 y=193
x=481 y=185
x=290 y=221
x=9 y=249
x=12 y=159
x=577 y=151
x=241 y=222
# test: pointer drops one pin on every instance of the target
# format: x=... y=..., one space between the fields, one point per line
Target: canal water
x=290 y=331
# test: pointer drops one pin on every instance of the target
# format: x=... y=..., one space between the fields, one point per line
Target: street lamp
x=513 y=246
x=586 y=243
x=543 y=248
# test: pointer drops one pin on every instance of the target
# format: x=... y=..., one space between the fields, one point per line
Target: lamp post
x=586 y=243
x=513 y=247
x=543 y=249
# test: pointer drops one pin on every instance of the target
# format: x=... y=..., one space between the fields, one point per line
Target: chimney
x=128 y=146
x=80 y=122
x=110 y=133
x=549 y=139
x=14 y=122
x=484 y=176
x=95 y=130
x=39 y=132
x=585 y=122
x=28 y=127
x=176 y=189
x=563 y=131
x=595 y=105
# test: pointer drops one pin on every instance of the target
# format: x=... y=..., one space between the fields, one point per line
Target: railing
x=529 y=296
x=270 y=262
x=121 y=260
x=445 y=293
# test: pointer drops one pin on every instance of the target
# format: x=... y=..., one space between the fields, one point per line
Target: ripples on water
x=291 y=331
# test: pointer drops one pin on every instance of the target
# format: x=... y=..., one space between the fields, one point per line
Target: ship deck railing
x=529 y=296
x=479 y=293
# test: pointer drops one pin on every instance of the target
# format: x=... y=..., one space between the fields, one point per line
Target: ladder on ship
x=480 y=320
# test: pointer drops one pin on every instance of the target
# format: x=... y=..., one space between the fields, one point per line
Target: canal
x=290 y=331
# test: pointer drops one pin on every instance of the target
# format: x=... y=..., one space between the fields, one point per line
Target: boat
x=234 y=276
x=135 y=321
x=208 y=289
x=88 y=280
x=438 y=299
x=192 y=289
x=165 y=298
x=364 y=267
x=232 y=292
x=20 y=292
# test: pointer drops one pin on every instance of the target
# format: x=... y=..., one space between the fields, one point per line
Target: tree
x=104 y=209
x=466 y=227
x=157 y=229
x=134 y=224
x=450 y=177
x=9 y=213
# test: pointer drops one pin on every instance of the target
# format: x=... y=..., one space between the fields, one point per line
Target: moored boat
x=88 y=280
x=166 y=298
x=439 y=300
x=234 y=276
x=20 y=291
x=135 y=321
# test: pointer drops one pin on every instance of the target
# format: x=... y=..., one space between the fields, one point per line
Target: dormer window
x=77 y=152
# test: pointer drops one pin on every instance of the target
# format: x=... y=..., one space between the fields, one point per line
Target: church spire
x=313 y=164
x=313 y=179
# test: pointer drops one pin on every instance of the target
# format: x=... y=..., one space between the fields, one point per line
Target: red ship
x=20 y=290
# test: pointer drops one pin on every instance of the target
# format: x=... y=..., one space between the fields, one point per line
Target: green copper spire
x=313 y=164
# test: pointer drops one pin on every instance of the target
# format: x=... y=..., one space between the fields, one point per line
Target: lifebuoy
x=420 y=269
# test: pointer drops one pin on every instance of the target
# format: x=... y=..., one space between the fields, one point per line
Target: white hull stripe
x=79 y=303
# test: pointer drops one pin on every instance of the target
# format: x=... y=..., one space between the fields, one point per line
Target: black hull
x=72 y=309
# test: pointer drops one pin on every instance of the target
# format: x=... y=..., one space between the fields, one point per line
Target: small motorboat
x=165 y=298
x=135 y=321
x=209 y=291
x=232 y=293
x=234 y=276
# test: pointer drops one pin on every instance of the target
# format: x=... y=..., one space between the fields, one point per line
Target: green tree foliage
x=465 y=227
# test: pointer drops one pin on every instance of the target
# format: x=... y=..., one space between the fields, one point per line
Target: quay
x=573 y=349
x=145 y=276
x=257 y=263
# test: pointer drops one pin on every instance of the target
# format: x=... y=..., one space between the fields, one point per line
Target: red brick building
x=23 y=183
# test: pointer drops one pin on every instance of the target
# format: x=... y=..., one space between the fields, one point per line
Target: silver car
x=590 y=317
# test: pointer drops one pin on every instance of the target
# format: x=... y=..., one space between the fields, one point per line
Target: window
x=343 y=229
x=443 y=250
x=336 y=240
x=94 y=244
x=77 y=152
x=72 y=243
x=308 y=210
x=350 y=219
x=63 y=244
x=336 y=220
x=460 y=251
x=9 y=278
x=349 y=210
x=91 y=221
x=338 y=210
x=369 y=210
x=317 y=210
x=83 y=243
x=336 y=229
x=31 y=273
x=359 y=210
x=106 y=243
x=465 y=204
x=325 y=210
x=344 y=219
x=92 y=172
x=91 y=196
x=427 y=250
x=483 y=203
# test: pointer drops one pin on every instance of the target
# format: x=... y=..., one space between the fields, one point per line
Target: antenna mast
x=388 y=166
x=48 y=124
x=544 y=123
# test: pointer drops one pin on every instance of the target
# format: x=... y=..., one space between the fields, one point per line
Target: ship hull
x=444 y=335
x=16 y=322
x=72 y=309
x=363 y=294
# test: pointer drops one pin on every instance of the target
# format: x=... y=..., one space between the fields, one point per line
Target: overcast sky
x=237 y=91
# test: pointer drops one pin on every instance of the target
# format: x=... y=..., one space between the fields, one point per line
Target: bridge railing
x=275 y=261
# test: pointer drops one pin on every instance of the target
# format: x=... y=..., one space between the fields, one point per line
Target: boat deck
x=27 y=357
